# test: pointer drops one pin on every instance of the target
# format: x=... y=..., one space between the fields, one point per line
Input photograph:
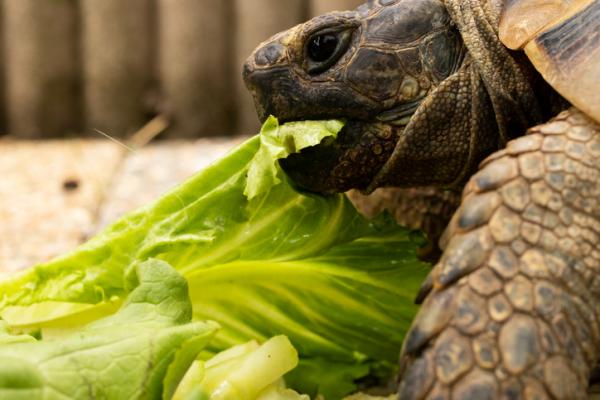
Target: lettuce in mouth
x=279 y=141
x=260 y=258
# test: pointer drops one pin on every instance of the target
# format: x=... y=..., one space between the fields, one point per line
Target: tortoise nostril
x=247 y=70
x=269 y=54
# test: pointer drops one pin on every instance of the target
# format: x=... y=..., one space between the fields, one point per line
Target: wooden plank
x=256 y=21
x=117 y=63
x=50 y=193
x=41 y=67
x=194 y=50
x=3 y=126
x=157 y=168
x=318 y=7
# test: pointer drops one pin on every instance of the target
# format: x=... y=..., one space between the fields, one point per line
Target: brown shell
x=562 y=40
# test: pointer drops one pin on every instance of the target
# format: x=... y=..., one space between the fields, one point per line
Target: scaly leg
x=512 y=309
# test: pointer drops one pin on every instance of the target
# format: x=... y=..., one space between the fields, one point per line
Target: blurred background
x=135 y=70
x=71 y=67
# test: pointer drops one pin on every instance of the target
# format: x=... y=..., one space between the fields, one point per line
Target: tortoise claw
x=425 y=289
x=433 y=316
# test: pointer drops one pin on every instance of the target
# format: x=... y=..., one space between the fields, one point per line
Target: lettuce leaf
x=141 y=352
x=332 y=380
x=261 y=262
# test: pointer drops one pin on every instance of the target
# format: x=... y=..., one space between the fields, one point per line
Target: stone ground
x=56 y=194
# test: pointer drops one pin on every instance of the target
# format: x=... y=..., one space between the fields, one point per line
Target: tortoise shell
x=562 y=40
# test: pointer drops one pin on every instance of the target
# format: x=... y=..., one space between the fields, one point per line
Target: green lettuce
x=260 y=258
x=141 y=352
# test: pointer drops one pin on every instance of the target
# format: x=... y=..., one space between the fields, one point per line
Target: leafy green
x=348 y=305
x=282 y=262
x=141 y=352
x=330 y=379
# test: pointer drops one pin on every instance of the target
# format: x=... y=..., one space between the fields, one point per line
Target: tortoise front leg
x=512 y=309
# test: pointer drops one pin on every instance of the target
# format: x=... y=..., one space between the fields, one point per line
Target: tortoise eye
x=322 y=47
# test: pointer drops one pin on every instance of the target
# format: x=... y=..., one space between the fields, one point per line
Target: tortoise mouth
x=349 y=162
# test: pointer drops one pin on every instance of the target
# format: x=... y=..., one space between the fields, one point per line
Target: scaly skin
x=512 y=309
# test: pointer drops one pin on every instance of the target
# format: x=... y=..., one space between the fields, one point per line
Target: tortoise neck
x=495 y=8
x=504 y=97
x=506 y=77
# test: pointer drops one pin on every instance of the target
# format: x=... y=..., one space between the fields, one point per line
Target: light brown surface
x=41 y=219
x=194 y=65
x=3 y=127
x=117 y=64
x=41 y=65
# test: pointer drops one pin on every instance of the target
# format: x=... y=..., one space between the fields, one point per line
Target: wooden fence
x=74 y=66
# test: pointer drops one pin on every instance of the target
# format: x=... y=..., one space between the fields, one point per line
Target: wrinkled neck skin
x=495 y=96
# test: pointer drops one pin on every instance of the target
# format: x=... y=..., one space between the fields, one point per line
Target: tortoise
x=492 y=108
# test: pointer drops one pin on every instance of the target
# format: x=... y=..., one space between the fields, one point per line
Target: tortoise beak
x=270 y=89
x=267 y=74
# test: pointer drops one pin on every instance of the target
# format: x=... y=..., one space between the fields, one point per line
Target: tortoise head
x=373 y=67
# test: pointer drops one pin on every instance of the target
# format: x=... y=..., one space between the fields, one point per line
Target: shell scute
x=562 y=40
